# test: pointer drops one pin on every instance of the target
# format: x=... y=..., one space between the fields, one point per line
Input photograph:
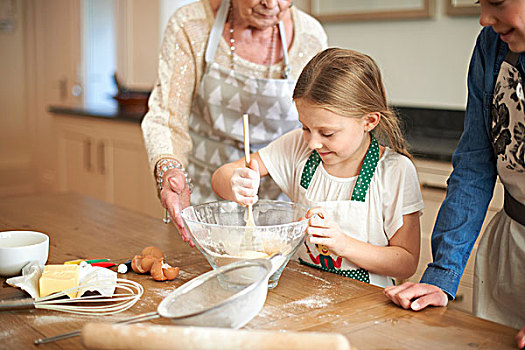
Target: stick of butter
x=57 y=278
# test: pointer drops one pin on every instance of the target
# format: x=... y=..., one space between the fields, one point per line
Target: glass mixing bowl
x=219 y=231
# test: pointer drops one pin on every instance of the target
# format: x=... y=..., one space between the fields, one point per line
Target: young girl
x=366 y=196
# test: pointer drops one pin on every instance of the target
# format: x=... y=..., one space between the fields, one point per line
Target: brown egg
x=152 y=251
x=171 y=273
x=156 y=271
x=147 y=262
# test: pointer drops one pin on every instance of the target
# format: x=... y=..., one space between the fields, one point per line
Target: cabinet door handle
x=101 y=157
x=87 y=155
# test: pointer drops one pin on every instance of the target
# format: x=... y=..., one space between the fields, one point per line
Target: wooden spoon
x=247 y=243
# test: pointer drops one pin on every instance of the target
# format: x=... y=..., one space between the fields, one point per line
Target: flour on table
x=317 y=278
x=164 y=292
x=40 y=320
x=6 y=333
x=326 y=284
x=313 y=302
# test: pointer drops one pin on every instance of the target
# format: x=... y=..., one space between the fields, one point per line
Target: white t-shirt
x=394 y=189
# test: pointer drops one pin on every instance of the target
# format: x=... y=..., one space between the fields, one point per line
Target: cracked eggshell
x=171 y=272
x=156 y=271
x=136 y=264
x=152 y=251
x=161 y=271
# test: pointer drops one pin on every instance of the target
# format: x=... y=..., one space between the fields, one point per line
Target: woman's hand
x=245 y=184
x=326 y=231
x=175 y=196
x=416 y=296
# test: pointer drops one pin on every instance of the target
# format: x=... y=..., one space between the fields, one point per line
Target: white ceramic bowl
x=17 y=248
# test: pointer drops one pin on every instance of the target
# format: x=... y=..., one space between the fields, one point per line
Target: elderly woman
x=220 y=59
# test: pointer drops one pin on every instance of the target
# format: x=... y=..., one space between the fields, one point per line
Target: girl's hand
x=245 y=184
x=326 y=231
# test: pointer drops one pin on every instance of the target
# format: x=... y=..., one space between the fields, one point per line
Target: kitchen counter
x=111 y=113
x=430 y=133
x=306 y=299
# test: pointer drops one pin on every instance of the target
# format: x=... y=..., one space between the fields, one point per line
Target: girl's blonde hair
x=349 y=83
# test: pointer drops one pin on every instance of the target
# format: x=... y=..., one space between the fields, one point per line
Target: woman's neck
x=247 y=32
x=254 y=44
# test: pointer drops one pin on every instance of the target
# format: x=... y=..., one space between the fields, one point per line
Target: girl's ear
x=371 y=121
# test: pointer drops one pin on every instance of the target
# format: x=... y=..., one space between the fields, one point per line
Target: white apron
x=215 y=123
x=499 y=277
x=352 y=217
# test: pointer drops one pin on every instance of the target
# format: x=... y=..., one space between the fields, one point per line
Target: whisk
x=129 y=293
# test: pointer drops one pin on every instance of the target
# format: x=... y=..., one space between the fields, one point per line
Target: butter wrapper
x=97 y=279
x=28 y=282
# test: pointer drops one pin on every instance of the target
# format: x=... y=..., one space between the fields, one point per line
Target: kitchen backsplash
x=432 y=133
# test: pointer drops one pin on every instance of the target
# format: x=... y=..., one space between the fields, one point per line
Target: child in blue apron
x=364 y=198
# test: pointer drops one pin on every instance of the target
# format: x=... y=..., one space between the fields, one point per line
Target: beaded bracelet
x=164 y=165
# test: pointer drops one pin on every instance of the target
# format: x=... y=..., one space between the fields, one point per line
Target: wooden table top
x=306 y=299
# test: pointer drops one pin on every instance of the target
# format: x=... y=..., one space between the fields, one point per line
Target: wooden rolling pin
x=120 y=337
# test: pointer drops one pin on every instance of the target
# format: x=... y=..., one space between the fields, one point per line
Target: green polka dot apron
x=351 y=215
x=499 y=272
x=215 y=122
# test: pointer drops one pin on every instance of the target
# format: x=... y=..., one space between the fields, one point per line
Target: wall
x=15 y=143
x=166 y=9
x=424 y=62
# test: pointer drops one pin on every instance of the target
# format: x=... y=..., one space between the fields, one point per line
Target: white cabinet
x=433 y=176
x=106 y=159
